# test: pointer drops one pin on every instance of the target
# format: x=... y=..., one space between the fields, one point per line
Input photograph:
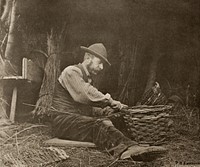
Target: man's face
x=95 y=65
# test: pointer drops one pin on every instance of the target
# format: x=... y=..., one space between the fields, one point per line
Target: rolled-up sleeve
x=72 y=80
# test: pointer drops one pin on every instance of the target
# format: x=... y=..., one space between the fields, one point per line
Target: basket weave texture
x=148 y=124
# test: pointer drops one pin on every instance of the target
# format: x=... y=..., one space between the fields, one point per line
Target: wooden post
x=13 y=105
x=24 y=68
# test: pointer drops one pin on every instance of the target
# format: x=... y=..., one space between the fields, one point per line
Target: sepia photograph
x=99 y=83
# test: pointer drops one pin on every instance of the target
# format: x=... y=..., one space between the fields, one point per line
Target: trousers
x=100 y=131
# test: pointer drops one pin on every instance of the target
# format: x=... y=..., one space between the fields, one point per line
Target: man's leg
x=107 y=136
x=73 y=127
x=84 y=128
x=101 y=132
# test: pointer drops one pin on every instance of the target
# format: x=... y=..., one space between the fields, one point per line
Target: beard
x=92 y=70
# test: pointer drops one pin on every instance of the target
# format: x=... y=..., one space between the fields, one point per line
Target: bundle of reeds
x=154 y=96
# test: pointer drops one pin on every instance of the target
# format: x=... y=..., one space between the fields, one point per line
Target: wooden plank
x=70 y=143
x=12 y=78
x=13 y=105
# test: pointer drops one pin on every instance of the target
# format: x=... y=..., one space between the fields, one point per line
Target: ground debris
x=30 y=143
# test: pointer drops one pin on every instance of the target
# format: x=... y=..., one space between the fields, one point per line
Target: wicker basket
x=148 y=124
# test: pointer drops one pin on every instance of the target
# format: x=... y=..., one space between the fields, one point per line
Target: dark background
x=146 y=40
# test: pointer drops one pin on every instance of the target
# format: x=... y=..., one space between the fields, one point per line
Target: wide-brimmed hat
x=98 y=50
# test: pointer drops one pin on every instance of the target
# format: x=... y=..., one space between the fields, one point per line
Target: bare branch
x=40 y=51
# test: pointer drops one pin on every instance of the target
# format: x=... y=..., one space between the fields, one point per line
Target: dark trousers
x=100 y=131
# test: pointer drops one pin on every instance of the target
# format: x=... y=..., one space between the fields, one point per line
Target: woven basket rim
x=144 y=109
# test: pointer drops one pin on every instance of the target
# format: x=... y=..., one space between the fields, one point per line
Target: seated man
x=73 y=104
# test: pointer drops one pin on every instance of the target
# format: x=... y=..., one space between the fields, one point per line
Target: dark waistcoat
x=64 y=103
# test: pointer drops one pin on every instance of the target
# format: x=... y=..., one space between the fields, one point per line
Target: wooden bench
x=70 y=143
x=30 y=73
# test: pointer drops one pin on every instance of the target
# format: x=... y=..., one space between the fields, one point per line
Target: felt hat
x=98 y=50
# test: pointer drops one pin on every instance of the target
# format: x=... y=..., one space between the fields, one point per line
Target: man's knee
x=107 y=122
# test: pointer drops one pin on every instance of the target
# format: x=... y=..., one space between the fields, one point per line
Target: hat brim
x=96 y=54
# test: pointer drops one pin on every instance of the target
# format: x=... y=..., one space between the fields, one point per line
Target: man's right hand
x=117 y=105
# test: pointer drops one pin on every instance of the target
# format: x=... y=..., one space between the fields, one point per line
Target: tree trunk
x=52 y=70
x=152 y=70
x=126 y=79
x=5 y=67
x=13 y=52
x=11 y=34
x=3 y=104
x=1 y=7
x=6 y=9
